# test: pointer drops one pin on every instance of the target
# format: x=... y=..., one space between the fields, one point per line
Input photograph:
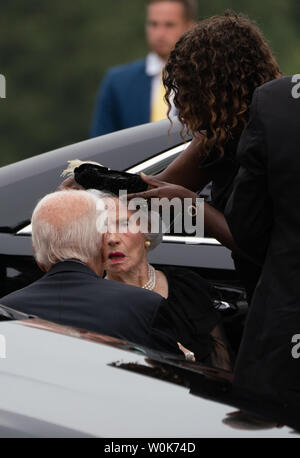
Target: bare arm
x=214 y=221
x=185 y=170
x=216 y=225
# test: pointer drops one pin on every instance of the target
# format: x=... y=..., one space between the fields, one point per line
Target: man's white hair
x=65 y=225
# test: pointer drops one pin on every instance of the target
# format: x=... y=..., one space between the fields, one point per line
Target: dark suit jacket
x=72 y=294
x=123 y=99
x=263 y=214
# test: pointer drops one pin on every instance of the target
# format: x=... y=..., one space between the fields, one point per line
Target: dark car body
x=64 y=382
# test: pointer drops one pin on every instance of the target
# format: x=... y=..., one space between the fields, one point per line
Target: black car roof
x=23 y=183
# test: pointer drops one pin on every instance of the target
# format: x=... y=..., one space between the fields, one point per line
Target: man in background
x=132 y=94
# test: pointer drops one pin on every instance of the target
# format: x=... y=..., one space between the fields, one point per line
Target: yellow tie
x=159 y=106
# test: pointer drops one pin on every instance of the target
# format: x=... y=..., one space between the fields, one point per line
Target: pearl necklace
x=150 y=284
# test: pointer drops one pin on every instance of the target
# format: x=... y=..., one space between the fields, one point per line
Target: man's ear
x=41 y=266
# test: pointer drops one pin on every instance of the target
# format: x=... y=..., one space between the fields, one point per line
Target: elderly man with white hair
x=67 y=244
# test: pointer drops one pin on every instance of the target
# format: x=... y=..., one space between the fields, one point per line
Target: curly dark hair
x=212 y=74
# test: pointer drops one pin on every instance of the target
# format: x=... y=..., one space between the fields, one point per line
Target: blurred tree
x=54 y=54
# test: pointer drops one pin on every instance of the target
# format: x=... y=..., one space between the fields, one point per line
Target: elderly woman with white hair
x=189 y=307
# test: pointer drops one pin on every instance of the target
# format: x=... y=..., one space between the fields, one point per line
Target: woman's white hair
x=155 y=234
x=65 y=225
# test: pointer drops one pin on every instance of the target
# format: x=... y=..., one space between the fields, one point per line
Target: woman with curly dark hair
x=213 y=72
x=211 y=76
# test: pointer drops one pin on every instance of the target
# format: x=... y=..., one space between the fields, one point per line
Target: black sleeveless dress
x=189 y=313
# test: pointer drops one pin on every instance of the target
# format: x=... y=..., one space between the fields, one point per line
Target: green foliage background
x=53 y=55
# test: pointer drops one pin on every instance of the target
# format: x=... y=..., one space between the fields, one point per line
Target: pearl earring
x=147 y=243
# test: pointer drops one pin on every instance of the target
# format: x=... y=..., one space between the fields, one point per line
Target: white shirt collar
x=154 y=64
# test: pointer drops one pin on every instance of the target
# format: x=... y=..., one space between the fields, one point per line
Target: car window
x=159 y=162
x=156 y=165
x=153 y=166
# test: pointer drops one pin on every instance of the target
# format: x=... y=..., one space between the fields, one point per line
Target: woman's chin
x=117 y=262
x=116 y=266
